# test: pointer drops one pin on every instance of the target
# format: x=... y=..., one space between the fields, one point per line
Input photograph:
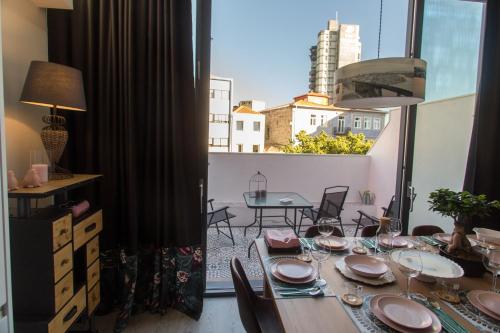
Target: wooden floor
x=220 y=315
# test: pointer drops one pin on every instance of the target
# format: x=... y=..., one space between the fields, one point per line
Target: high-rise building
x=337 y=46
x=221 y=104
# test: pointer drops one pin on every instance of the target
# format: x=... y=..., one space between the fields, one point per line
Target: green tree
x=327 y=144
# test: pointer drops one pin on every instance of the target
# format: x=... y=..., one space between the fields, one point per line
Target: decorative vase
x=32 y=179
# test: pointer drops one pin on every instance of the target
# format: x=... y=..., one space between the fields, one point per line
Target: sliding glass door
x=450 y=42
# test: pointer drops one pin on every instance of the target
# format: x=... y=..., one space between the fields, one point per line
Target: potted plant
x=462 y=207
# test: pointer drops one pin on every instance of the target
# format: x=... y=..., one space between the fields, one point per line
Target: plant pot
x=473 y=267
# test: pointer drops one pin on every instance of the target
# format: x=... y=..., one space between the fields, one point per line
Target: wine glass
x=320 y=254
x=395 y=229
x=410 y=264
x=491 y=261
x=325 y=226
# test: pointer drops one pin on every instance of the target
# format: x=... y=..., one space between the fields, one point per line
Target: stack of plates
x=487 y=302
x=293 y=271
x=365 y=266
x=334 y=243
x=404 y=315
x=443 y=238
x=396 y=242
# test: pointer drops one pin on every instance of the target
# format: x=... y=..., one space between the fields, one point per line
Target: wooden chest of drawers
x=55 y=268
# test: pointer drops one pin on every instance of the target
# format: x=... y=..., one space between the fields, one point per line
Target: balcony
x=218 y=142
x=306 y=174
x=218 y=118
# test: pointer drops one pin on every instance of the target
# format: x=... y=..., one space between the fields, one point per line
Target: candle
x=42 y=170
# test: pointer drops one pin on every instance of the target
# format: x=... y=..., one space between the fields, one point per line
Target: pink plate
x=405 y=312
x=490 y=301
x=366 y=266
x=397 y=242
x=442 y=237
x=333 y=242
x=294 y=269
x=277 y=275
x=434 y=327
x=473 y=297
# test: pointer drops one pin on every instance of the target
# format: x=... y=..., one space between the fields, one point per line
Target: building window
x=240 y=148
x=357 y=122
x=256 y=126
x=341 y=124
x=367 y=123
x=255 y=148
x=268 y=133
x=212 y=93
x=239 y=125
x=323 y=120
x=225 y=94
x=376 y=123
x=313 y=120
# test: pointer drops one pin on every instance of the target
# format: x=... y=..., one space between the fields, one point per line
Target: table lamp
x=57 y=87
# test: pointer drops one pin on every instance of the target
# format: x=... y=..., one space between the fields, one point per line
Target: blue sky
x=264 y=44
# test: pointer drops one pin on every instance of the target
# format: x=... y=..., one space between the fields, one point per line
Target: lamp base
x=58 y=173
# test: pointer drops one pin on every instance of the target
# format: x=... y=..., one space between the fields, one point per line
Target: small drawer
x=93 y=298
x=61 y=232
x=69 y=313
x=93 y=274
x=87 y=229
x=63 y=291
x=63 y=262
x=92 y=250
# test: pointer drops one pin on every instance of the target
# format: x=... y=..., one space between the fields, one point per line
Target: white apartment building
x=221 y=102
x=247 y=130
x=337 y=46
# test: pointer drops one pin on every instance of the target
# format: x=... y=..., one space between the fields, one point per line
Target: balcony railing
x=218 y=142
x=341 y=131
x=218 y=118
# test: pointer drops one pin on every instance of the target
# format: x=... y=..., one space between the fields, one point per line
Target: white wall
x=248 y=137
x=384 y=162
x=24 y=34
x=442 y=141
x=301 y=120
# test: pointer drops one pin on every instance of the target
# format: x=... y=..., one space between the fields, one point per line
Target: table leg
x=286 y=215
x=249 y=247
x=251 y=224
x=23 y=207
x=260 y=223
x=295 y=222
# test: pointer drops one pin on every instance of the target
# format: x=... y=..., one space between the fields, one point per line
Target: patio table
x=327 y=314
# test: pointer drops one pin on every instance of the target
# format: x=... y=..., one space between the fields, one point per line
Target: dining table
x=330 y=314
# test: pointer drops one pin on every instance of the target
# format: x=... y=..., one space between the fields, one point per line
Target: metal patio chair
x=220 y=215
x=365 y=219
x=331 y=206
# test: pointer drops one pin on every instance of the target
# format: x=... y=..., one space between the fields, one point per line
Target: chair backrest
x=426 y=230
x=313 y=231
x=369 y=231
x=333 y=200
x=393 y=208
x=245 y=297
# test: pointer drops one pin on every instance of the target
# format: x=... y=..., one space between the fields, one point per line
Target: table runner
x=469 y=312
x=275 y=284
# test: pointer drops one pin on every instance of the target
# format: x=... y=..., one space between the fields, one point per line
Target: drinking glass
x=325 y=226
x=410 y=264
x=320 y=254
x=395 y=229
x=491 y=261
x=305 y=255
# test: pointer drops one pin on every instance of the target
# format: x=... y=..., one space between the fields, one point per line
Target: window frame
x=312 y=120
x=238 y=122
x=357 y=122
x=367 y=123
x=378 y=122
x=256 y=123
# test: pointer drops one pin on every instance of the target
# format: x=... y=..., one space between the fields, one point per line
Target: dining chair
x=369 y=231
x=332 y=205
x=426 y=230
x=365 y=219
x=257 y=314
x=313 y=231
x=220 y=215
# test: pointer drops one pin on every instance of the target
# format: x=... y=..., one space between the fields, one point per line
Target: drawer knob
x=64 y=262
x=90 y=227
x=94 y=274
x=63 y=231
x=63 y=290
x=93 y=250
x=71 y=313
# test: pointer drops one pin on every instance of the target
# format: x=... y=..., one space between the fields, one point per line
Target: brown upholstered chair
x=426 y=230
x=257 y=313
x=369 y=231
x=313 y=231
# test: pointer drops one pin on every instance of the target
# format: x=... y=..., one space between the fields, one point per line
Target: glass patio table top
x=272 y=200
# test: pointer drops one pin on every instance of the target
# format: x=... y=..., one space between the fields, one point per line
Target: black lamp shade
x=50 y=84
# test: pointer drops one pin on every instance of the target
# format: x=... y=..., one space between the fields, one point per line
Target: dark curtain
x=483 y=165
x=141 y=132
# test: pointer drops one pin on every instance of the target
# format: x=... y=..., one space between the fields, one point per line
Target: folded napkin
x=281 y=239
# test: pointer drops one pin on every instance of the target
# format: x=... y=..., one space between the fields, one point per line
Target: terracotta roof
x=310 y=94
x=303 y=102
x=245 y=109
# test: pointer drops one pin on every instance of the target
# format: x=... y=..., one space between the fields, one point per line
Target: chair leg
x=230 y=232
x=341 y=226
x=357 y=226
x=300 y=223
x=217 y=227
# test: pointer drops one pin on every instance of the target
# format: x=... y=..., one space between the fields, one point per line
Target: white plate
x=435 y=265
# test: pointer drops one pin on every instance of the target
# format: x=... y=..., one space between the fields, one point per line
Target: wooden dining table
x=326 y=314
